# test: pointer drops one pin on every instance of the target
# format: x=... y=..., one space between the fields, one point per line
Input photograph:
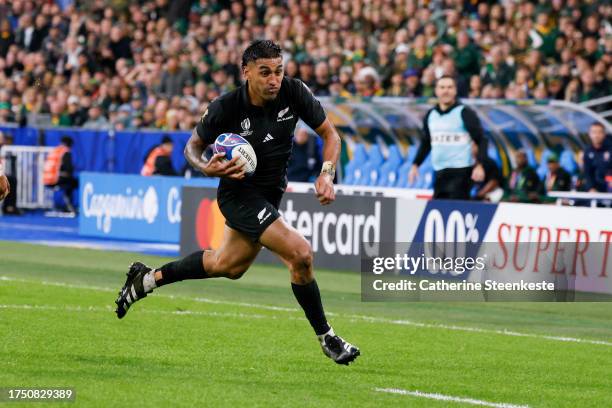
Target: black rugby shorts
x=249 y=210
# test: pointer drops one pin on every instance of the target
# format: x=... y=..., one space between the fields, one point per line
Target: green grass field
x=244 y=343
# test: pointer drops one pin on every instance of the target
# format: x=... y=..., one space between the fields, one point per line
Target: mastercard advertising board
x=335 y=232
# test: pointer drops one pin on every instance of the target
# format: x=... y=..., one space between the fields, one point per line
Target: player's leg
x=439 y=185
x=236 y=253
x=296 y=252
x=459 y=184
x=453 y=184
x=231 y=260
x=247 y=215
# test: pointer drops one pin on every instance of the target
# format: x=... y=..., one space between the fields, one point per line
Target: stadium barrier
x=604 y=199
x=528 y=240
x=535 y=241
x=149 y=208
x=27 y=163
x=523 y=237
x=335 y=232
x=295 y=187
x=133 y=207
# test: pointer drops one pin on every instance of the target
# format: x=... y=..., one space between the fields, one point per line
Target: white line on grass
x=442 y=397
x=477 y=330
x=370 y=319
x=59 y=284
x=80 y=309
x=196 y=299
x=252 y=305
x=118 y=246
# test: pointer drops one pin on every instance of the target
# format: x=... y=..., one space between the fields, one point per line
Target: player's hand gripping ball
x=5 y=187
x=237 y=146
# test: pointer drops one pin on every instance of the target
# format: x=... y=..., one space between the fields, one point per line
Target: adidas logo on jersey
x=268 y=138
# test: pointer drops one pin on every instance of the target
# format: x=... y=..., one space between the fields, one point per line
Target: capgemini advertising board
x=132 y=207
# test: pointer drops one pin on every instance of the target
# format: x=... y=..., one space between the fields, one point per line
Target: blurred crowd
x=157 y=63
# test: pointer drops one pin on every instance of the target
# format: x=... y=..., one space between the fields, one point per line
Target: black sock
x=309 y=298
x=189 y=267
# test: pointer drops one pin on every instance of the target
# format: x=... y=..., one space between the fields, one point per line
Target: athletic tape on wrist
x=328 y=168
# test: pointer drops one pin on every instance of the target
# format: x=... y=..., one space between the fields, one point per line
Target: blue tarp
x=131 y=149
x=22 y=136
x=101 y=151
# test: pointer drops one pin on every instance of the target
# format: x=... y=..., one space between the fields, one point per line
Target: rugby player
x=264 y=111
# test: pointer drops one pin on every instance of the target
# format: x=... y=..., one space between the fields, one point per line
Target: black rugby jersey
x=269 y=129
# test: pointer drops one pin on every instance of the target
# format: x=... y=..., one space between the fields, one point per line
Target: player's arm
x=487 y=188
x=324 y=184
x=202 y=136
x=5 y=186
x=474 y=128
x=424 y=149
x=312 y=113
x=492 y=172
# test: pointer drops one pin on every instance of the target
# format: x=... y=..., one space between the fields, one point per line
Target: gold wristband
x=329 y=168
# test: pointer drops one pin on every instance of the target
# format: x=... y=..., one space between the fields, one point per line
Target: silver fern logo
x=281 y=115
x=282 y=112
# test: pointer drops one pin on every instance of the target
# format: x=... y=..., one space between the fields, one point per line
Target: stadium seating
x=531 y=158
x=130 y=98
x=402 y=172
x=388 y=171
x=412 y=152
x=542 y=169
x=371 y=169
x=568 y=161
x=425 y=179
x=494 y=154
x=352 y=170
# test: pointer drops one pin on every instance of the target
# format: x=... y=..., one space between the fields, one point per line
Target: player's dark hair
x=261 y=49
x=598 y=124
x=446 y=77
x=67 y=140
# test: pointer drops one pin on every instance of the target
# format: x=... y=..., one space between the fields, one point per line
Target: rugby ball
x=237 y=146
